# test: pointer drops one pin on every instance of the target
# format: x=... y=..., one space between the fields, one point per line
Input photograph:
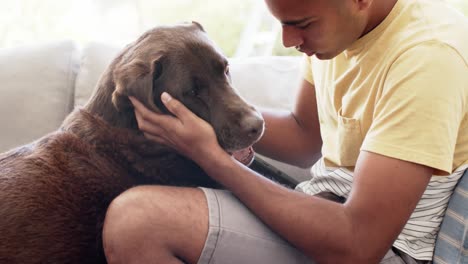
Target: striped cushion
x=452 y=242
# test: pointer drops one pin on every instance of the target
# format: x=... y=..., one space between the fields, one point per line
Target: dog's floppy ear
x=136 y=79
x=198 y=25
x=158 y=87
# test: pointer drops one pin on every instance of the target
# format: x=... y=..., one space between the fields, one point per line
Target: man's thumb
x=174 y=106
x=165 y=97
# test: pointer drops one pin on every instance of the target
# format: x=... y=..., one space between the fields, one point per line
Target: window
x=240 y=27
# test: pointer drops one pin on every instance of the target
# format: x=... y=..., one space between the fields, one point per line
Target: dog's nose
x=253 y=125
x=255 y=132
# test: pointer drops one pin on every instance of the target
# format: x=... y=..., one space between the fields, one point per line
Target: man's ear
x=136 y=78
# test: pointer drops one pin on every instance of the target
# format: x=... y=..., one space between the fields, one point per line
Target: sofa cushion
x=36 y=91
x=270 y=82
x=452 y=242
x=94 y=60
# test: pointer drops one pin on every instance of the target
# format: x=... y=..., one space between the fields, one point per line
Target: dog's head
x=183 y=61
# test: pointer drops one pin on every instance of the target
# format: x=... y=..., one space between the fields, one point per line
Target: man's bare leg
x=156 y=224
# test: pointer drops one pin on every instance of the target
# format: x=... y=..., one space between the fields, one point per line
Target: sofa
x=41 y=84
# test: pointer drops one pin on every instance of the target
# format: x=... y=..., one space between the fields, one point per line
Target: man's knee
x=150 y=216
x=123 y=226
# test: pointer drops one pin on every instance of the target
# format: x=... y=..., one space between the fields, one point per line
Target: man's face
x=324 y=28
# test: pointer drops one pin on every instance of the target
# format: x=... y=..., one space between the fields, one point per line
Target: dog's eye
x=227 y=70
x=195 y=90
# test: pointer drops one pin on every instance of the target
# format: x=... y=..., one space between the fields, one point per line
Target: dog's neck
x=141 y=158
x=126 y=145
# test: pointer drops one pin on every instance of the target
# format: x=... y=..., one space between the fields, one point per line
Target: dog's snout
x=253 y=125
x=256 y=128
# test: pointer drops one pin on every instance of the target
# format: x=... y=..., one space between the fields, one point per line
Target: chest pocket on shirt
x=349 y=140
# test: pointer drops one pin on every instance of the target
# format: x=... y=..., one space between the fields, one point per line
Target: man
x=385 y=98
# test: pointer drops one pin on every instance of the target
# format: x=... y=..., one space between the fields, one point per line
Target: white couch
x=41 y=84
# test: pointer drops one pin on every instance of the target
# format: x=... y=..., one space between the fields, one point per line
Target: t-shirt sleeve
x=306 y=69
x=419 y=112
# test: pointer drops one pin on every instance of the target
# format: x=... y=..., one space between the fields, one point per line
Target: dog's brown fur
x=55 y=191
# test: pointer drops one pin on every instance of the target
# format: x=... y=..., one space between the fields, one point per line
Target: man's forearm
x=285 y=140
x=320 y=228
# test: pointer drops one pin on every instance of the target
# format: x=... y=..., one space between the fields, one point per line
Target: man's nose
x=292 y=37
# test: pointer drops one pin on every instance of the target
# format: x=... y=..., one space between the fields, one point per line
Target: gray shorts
x=236 y=235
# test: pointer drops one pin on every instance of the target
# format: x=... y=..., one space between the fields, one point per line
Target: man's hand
x=190 y=135
x=185 y=132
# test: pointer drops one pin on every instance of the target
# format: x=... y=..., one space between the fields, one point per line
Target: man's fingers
x=139 y=107
x=176 y=107
x=156 y=139
x=147 y=118
x=149 y=128
x=173 y=105
x=141 y=110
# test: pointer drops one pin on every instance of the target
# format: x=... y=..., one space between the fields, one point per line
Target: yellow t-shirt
x=399 y=91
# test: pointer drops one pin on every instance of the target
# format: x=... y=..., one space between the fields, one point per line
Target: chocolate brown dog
x=55 y=191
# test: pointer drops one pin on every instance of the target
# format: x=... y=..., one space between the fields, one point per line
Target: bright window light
x=240 y=27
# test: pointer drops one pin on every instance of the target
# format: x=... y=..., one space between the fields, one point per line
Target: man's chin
x=312 y=53
x=321 y=56
x=325 y=56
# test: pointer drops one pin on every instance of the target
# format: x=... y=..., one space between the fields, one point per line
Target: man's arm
x=362 y=230
x=293 y=137
x=385 y=193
